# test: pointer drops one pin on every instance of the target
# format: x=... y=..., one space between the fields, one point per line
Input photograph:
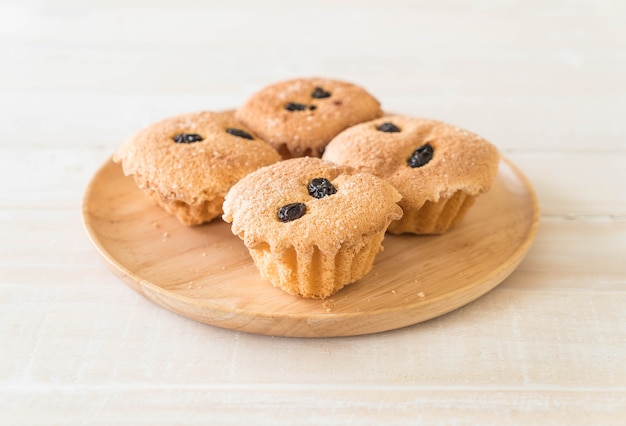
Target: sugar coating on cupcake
x=438 y=168
x=311 y=226
x=299 y=117
x=187 y=163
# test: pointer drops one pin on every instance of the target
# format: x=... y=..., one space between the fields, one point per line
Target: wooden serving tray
x=205 y=273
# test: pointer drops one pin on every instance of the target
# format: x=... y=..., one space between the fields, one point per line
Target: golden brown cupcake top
x=423 y=159
x=306 y=202
x=299 y=117
x=193 y=157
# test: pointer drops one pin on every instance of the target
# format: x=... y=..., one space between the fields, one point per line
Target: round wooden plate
x=205 y=273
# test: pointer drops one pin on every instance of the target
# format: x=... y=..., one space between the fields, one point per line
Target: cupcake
x=299 y=117
x=438 y=168
x=187 y=163
x=311 y=226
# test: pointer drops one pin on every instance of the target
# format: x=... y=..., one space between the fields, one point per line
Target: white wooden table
x=544 y=81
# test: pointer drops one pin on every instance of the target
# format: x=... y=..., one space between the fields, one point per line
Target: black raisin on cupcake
x=320 y=93
x=421 y=156
x=295 y=106
x=291 y=212
x=321 y=187
x=239 y=133
x=388 y=127
x=187 y=138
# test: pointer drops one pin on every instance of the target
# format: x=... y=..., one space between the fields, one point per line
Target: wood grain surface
x=541 y=80
x=205 y=272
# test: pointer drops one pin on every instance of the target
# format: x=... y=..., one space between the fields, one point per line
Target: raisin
x=321 y=187
x=388 y=127
x=295 y=106
x=320 y=93
x=239 y=133
x=421 y=156
x=187 y=138
x=291 y=212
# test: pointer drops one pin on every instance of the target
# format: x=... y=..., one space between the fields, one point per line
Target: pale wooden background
x=544 y=80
